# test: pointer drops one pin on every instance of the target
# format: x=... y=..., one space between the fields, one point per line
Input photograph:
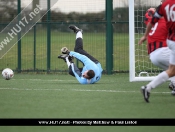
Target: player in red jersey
x=158 y=51
x=167 y=10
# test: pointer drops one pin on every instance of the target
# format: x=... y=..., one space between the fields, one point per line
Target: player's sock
x=67 y=61
x=161 y=78
x=79 y=35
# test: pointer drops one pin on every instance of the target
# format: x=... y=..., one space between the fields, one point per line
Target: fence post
x=109 y=36
x=19 y=40
x=48 y=36
x=34 y=45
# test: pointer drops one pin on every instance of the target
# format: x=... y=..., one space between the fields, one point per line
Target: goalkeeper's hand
x=65 y=50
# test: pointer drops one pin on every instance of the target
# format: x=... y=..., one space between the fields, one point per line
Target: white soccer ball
x=7 y=74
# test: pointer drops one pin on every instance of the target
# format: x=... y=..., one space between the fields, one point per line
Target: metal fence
x=105 y=35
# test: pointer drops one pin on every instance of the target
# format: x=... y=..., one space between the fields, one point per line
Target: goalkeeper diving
x=91 y=71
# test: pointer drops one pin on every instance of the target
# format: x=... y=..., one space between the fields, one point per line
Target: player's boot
x=65 y=50
x=63 y=57
x=75 y=29
x=171 y=86
x=145 y=93
x=173 y=92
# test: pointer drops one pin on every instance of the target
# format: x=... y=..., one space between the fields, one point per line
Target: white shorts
x=171 y=45
x=160 y=57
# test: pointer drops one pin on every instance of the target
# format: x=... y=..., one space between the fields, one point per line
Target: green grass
x=61 y=96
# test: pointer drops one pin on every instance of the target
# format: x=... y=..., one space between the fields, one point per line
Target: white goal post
x=140 y=66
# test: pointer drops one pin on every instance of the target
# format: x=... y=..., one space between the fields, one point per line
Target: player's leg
x=171 y=70
x=68 y=61
x=75 y=67
x=79 y=43
x=162 y=77
x=160 y=57
x=79 y=48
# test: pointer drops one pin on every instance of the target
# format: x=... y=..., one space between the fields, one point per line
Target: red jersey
x=167 y=9
x=157 y=36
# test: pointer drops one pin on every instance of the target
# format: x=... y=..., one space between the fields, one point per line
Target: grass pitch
x=61 y=96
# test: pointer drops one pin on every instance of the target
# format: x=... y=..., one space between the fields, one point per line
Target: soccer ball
x=7 y=74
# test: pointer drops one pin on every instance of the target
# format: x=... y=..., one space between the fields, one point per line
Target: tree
x=8 y=10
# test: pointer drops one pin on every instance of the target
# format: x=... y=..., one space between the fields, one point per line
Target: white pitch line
x=82 y=90
x=51 y=80
x=42 y=80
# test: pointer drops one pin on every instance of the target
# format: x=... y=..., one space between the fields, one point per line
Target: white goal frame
x=132 y=71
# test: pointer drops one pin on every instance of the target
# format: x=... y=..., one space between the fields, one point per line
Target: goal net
x=141 y=68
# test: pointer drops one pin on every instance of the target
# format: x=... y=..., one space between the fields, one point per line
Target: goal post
x=131 y=41
x=140 y=66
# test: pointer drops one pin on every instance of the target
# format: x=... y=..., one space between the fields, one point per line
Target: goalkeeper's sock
x=67 y=61
x=161 y=78
x=79 y=35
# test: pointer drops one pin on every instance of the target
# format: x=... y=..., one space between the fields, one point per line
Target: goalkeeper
x=158 y=51
x=91 y=71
